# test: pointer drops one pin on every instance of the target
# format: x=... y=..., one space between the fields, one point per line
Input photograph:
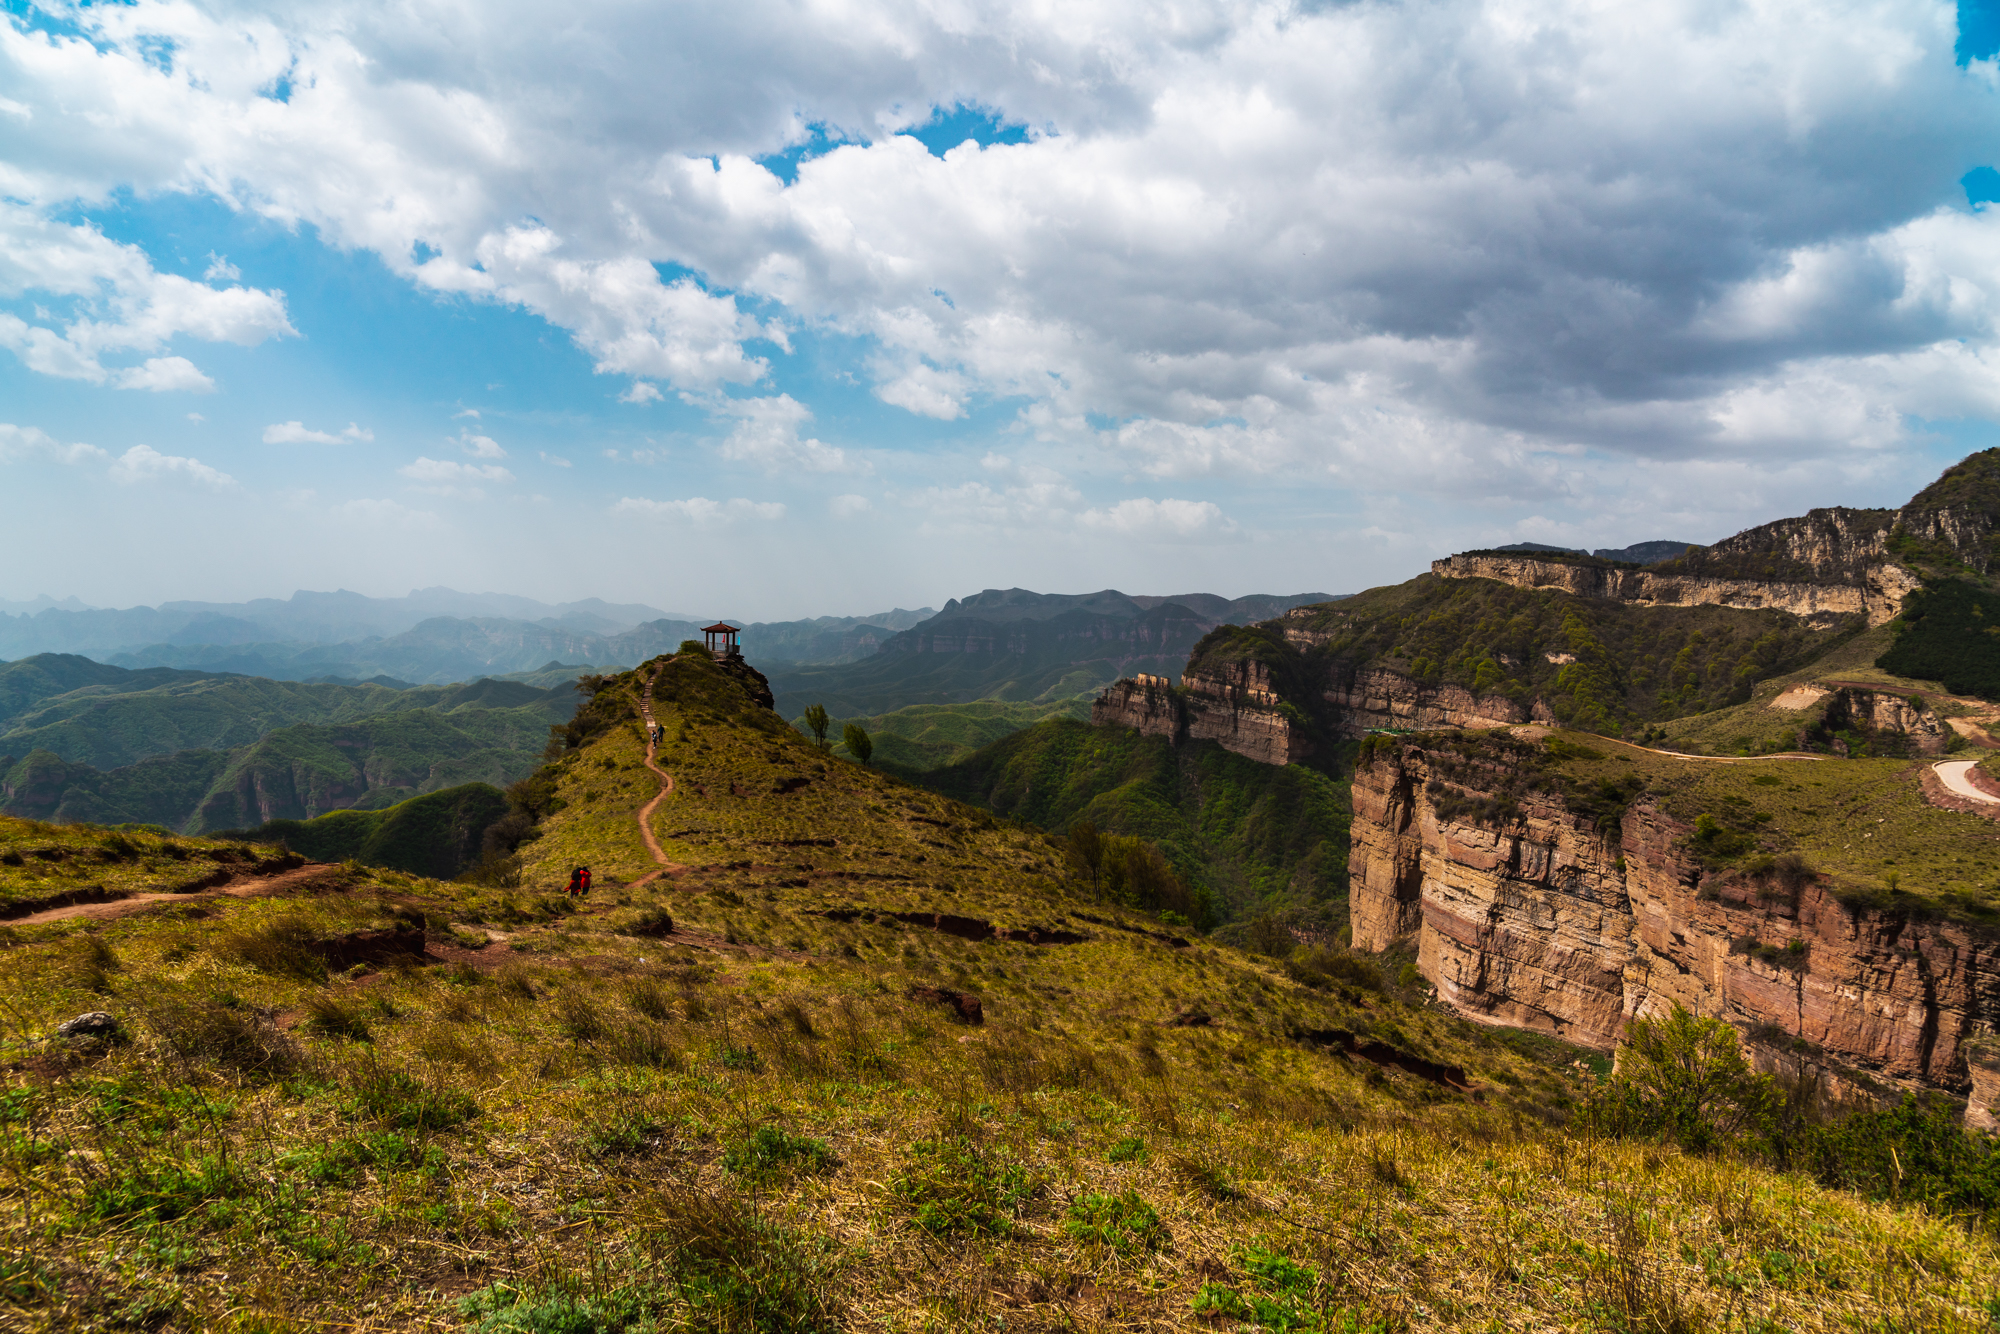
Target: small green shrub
x=951 y=1185
x=403 y=1102
x=769 y=1153
x=336 y=1018
x=1121 y=1222
x=1129 y=1150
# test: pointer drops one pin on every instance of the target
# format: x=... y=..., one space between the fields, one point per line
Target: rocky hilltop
x=1538 y=904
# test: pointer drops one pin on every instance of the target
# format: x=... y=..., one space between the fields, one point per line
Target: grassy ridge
x=1602 y=666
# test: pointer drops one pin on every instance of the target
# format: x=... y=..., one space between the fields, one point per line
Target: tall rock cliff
x=1230 y=703
x=1527 y=911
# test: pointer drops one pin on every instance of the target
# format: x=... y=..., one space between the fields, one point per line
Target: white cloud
x=143 y=463
x=26 y=442
x=554 y=460
x=766 y=436
x=297 y=433
x=641 y=392
x=1359 y=245
x=700 y=510
x=466 y=412
x=165 y=374
x=849 y=507
x=450 y=473
x=1159 y=520
x=196 y=418
x=220 y=269
x=120 y=302
x=480 y=446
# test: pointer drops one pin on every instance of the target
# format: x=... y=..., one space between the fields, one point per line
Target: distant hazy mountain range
x=434 y=635
x=1016 y=646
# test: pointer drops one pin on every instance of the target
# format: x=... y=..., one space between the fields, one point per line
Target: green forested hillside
x=1599 y=665
x=1256 y=837
x=436 y=835
x=291 y=773
x=107 y=717
x=925 y=736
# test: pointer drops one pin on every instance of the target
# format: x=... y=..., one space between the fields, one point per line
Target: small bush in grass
x=735 y=1272
x=159 y=1189
x=284 y=948
x=503 y=1309
x=953 y=1186
x=1121 y=1222
x=403 y=1102
x=1129 y=1150
x=225 y=1031
x=91 y=967
x=1206 y=1177
x=578 y=1016
x=769 y=1153
x=340 y=1162
x=645 y=997
x=626 y=1136
x=1280 y=1294
x=650 y=921
x=336 y=1018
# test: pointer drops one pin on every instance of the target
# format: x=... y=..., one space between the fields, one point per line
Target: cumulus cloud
x=143 y=463
x=641 y=392
x=165 y=374
x=1422 y=246
x=297 y=433
x=120 y=302
x=1159 y=520
x=28 y=442
x=480 y=446
x=766 y=436
x=700 y=510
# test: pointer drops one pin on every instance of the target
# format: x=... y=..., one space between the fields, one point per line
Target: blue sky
x=771 y=308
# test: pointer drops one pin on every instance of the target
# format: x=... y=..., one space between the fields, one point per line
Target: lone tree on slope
x=855 y=738
x=817 y=722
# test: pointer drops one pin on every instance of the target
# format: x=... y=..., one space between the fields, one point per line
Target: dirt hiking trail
x=666 y=787
x=250 y=887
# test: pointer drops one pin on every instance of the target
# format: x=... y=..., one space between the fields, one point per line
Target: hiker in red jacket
x=586 y=879
x=578 y=881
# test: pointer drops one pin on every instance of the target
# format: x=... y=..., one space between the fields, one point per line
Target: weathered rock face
x=1234 y=705
x=1145 y=703
x=1877 y=596
x=1371 y=698
x=1231 y=704
x=1879 y=711
x=1835 y=545
x=1541 y=921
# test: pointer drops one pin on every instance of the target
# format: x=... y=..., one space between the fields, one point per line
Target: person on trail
x=586 y=879
x=576 y=882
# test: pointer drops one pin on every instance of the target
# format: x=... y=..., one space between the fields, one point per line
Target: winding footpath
x=255 y=887
x=666 y=787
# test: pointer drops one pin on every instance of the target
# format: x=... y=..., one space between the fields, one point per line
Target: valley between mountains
x=1130 y=962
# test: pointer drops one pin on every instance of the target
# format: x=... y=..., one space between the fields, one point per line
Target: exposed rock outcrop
x=1876 y=594
x=1536 y=918
x=1231 y=703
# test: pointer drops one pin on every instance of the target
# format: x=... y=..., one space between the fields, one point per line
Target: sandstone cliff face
x=1375 y=698
x=1231 y=704
x=1878 y=595
x=1540 y=921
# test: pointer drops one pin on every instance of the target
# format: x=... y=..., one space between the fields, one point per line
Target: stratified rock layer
x=1542 y=921
x=1232 y=704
